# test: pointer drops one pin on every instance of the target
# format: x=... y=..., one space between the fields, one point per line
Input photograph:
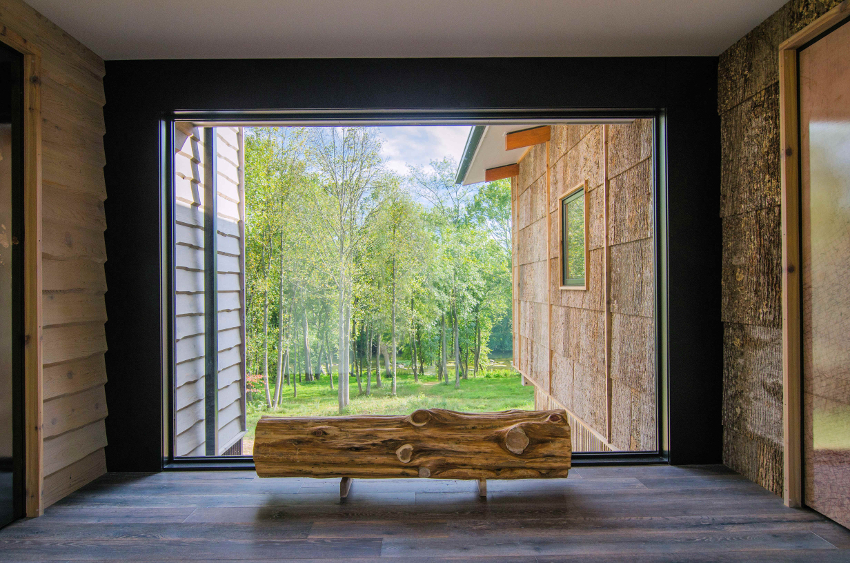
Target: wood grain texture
x=501 y=172
x=527 y=137
x=431 y=443
x=623 y=514
x=791 y=326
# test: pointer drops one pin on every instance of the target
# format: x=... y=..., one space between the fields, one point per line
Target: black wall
x=141 y=93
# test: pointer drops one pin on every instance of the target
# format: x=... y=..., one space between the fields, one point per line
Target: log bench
x=429 y=443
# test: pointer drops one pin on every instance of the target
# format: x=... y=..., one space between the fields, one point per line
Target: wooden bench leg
x=344 y=487
x=482 y=488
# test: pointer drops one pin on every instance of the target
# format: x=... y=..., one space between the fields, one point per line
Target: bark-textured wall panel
x=580 y=163
x=632 y=279
x=628 y=144
x=565 y=137
x=752 y=263
x=748 y=102
x=749 y=177
x=633 y=352
x=533 y=167
x=562 y=334
x=630 y=209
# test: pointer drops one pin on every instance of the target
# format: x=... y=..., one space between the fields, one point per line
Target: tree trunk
x=308 y=366
x=466 y=362
x=418 y=336
x=457 y=349
x=329 y=356
x=266 y=348
x=280 y=341
x=394 y=336
x=378 y=361
x=357 y=368
x=413 y=356
x=369 y=363
x=444 y=372
x=477 y=345
x=286 y=366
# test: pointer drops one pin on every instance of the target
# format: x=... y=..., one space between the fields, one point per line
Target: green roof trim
x=472 y=141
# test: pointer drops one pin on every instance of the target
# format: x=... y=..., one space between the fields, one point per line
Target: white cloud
x=419 y=145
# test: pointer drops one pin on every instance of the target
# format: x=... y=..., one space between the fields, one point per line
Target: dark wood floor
x=631 y=514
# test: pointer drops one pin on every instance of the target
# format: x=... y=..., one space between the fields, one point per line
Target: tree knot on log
x=420 y=417
x=404 y=453
x=324 y=431
x=516 y=440
x=424 y=472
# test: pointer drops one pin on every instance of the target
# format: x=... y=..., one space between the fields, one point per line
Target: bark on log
x=432 y=443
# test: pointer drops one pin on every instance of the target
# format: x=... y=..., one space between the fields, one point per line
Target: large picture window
x=573 y=239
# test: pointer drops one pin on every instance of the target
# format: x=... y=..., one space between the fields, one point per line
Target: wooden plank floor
x=633 y=514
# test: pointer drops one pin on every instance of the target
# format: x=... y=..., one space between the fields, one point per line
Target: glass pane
x=825 y=209
x=574 y=250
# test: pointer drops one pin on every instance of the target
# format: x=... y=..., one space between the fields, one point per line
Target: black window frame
x=334 y=118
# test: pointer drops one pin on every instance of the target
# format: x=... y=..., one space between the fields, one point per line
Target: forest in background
x=353 y=270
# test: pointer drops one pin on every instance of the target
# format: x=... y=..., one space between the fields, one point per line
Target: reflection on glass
x=829 y=165
x=572 y=215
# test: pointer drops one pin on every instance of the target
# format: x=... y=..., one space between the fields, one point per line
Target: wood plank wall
x=748 y=104
x=73 y=253
x=189 y=288
x=560 y=338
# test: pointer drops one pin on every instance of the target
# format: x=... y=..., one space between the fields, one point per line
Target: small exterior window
x=573 y=239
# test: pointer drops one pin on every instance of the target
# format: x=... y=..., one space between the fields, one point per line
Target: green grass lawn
x=498 y=390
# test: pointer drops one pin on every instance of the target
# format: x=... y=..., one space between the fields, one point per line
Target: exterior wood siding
x=561 y=335
x=189 y=381
x=73 y=255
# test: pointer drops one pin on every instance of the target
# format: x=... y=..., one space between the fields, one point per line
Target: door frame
x=789 y=140
x=33 y=345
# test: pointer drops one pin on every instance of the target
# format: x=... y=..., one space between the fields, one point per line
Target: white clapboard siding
x=227 y=245
x=190 y=439
x=189 y=394
x=189 y=236
x=188 y=325
x=229 y=375
x=185 y=372
x=228 y=434
x=229 y=227
x=229 y=319
x=189 y=287
x=185 y=214
x=188 y=281
x=188 y=417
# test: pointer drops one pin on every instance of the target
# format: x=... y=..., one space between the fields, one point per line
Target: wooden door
x=824 y=86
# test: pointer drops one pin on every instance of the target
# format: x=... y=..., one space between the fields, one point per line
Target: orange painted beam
x=493 y=174
x=527 y=137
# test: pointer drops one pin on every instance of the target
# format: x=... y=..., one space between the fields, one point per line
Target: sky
x=419 y=145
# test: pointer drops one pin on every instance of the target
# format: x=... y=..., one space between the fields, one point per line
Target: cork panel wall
x=748 y=104
x=631 y=282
